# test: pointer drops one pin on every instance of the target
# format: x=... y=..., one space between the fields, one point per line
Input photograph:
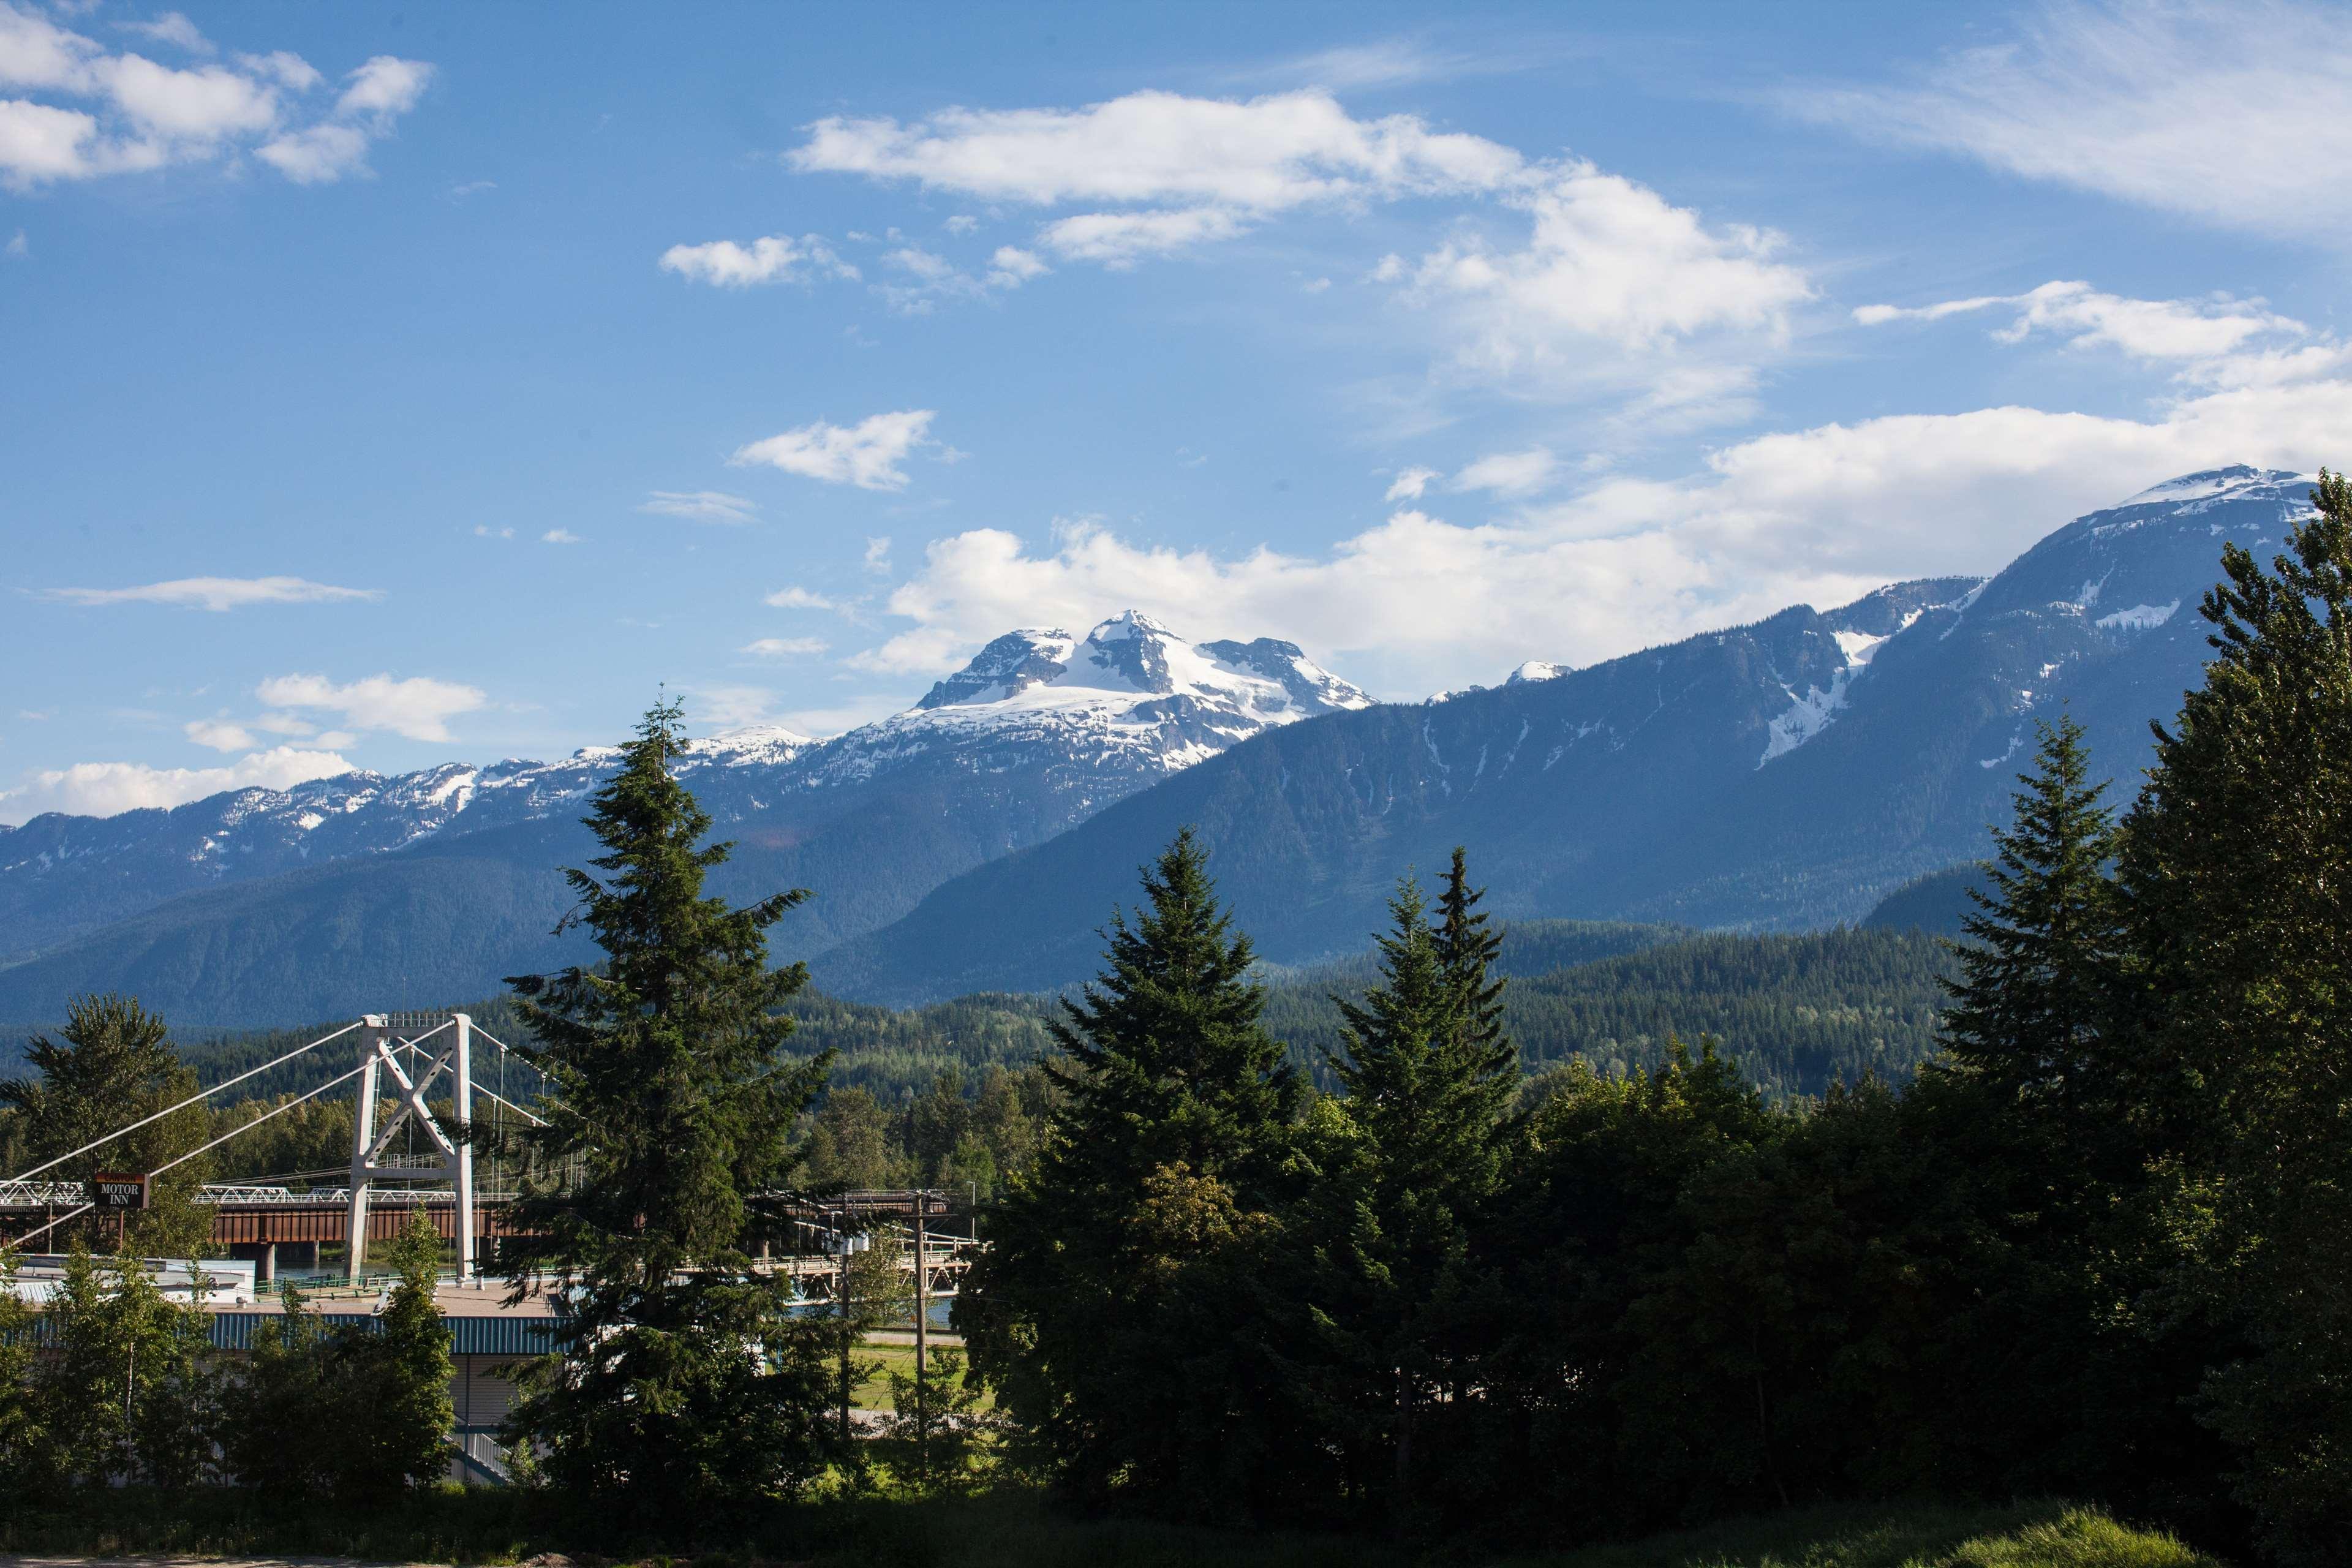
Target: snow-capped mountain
x=1782 y=774
x=1039 y=729
x=1130 y=698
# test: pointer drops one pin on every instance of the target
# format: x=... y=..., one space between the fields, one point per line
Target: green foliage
x=938 y=1435
x=683 y=1379
x=1109 y=1308
x=24 y=1446
x=287 y=1381
x=399 y=1375
x=1411 y=1159
x=2237 y=870
x=112 y=1064
x=126 y=1396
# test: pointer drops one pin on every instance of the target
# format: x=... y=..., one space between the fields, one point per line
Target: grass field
x=1015 y=1530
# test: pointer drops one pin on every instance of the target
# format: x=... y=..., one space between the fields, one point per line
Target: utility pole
x=922 y=1335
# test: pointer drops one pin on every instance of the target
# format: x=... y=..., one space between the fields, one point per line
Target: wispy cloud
x=107 y=789
x=867 y=454
x=785 y=648
x=217 y=594
x=419 y=707
x=2230 y=113
x=702 y=506
x=559 y=536
x=2145 y=329
x=774 y=258
x=799 y=599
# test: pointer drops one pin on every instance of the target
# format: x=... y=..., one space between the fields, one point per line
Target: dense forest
x=1796 y=1013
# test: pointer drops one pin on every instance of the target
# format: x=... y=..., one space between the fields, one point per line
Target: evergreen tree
x=2238 y=872
x=1428 y=1073
x=682 y=1377
x=2038 y=973
x=1110 y=1310
x=1468 y=950
x=111 y=1065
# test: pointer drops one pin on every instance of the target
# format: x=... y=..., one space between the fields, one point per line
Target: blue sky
x=384 y=385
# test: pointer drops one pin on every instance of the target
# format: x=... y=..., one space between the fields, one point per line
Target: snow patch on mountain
x=2139 y=617
x=1807 y=716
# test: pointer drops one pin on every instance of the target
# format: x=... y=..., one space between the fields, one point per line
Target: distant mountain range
x=1779 y=775
x=264 y=905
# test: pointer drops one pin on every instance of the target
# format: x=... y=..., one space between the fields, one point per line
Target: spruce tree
x=2038 y=973
x=682 y=1376
x=1111 y=1310
x=1468 y=950
x=2237 y=870
x=1428 y=1073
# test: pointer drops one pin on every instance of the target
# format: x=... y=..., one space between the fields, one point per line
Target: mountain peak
x=2211 y=483
x=1126 y=624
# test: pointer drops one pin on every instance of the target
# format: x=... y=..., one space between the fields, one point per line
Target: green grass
x=1013 y=1529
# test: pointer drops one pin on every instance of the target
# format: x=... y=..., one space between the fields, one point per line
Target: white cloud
x=17 y=248
x=285 y=68
x=137 y=114
x=774 y=259
x=2231 y=113
x=963 y=223
x=559 y=536
x=217 y=593
x=172 y=28
x=867 y=454
x=1011 y=267
x=785 y=648
x=2145 y=329
x=1509 y=474
x=104 y=789
x=219 y=736
x=702 y=506
x=1410 y=484
x=1264 y=156
x=1419 y=603
x=419 y=707
x=317 y=155
x=1609 y=265
x=385 y=87
x=730 y=707
x=1120 y=239
x=799 y=599
x=877 y=555
x=483 y=531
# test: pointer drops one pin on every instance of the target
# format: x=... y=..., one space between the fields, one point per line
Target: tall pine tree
x=1428 y=1073
x=682 y=1377
x=1110 y=1310
x=2032 y=1007
x=2238 y=872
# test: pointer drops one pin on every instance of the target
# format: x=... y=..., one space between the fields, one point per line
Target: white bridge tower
x=370 y=1145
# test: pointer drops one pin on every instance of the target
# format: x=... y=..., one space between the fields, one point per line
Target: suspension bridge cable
x=51 y=1226
x=510 y=1104
x=200 y=1094
x=257 y=1121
